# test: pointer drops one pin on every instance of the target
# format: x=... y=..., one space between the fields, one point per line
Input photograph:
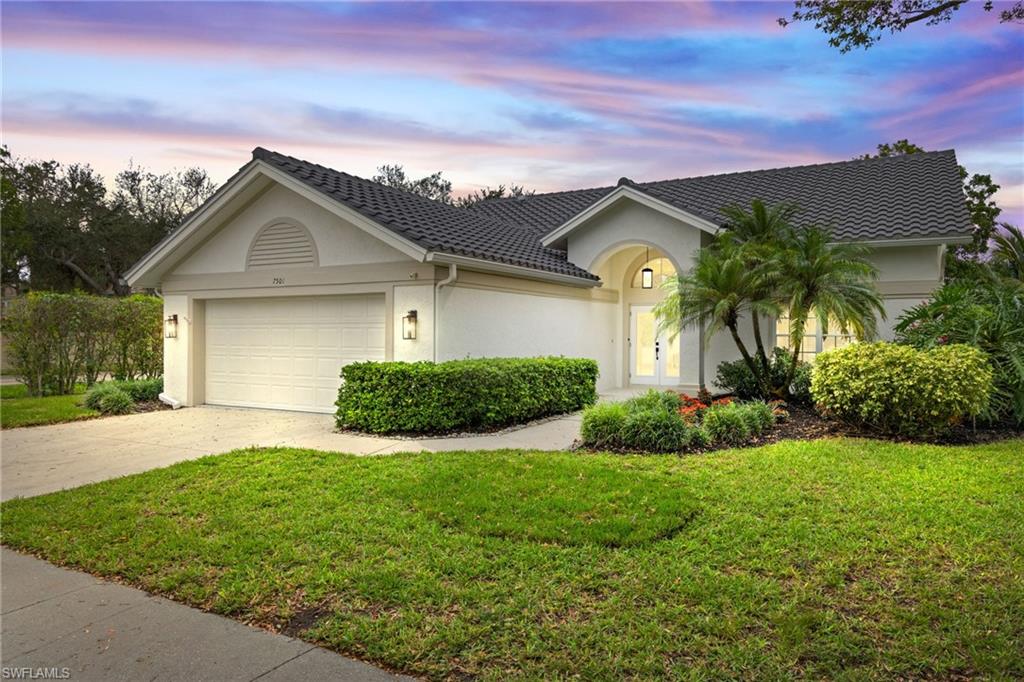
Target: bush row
x=427 y=397
x=900 y=390
x=54 y=340
x=653 y=422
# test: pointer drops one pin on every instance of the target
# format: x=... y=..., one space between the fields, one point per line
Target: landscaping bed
x=18 y=409
x=837 y=558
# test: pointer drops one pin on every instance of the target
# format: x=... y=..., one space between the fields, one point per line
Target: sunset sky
x=548 y=96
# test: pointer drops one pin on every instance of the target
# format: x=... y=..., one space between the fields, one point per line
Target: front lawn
x=17 y=409
x=840 y=559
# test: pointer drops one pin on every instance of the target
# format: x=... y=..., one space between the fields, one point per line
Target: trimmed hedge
x=427 y=397
x=899 y=390
x=55 y=339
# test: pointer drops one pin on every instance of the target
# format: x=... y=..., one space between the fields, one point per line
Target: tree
x=715 y=294
x=1008 y=252
x=978 y=192
x=437 y=188
x=487 y=194
x=760 y=265
x=861 y=23
x=833 y=281
x=75 y=234
x=12 y=219
x=431 y=186
x=760 y=230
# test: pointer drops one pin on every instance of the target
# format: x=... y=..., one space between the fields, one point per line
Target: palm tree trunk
x=798 y=326
x=746 y=356
x=759 y=343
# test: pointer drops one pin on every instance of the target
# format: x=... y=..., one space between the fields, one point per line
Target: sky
x=549 y=96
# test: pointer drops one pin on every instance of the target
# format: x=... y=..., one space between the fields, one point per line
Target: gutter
x=514 y=270
x=453 y=274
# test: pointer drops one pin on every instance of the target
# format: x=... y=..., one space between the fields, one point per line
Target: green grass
x=17 y=409
x=839 y=559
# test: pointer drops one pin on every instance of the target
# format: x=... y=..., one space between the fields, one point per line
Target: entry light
x=409 y=326
x=647 y=278
x=171 y=327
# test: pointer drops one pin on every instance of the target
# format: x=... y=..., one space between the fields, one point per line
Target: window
x=814 y=340
x=663 y=269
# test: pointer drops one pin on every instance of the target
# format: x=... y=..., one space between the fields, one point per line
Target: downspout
x=453 y=274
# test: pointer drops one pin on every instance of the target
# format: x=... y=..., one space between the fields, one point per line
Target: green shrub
x=666 y=401
x=95 y=395
x=143 y=390
x=736 y=378
x=899 y=390
x=983 y=312
x=427 y=397
x=54 y=340
x=138 y=342
x=655 y=430
x=138 y=391
x=115 y=400
x=727 y=424
x=602 y=425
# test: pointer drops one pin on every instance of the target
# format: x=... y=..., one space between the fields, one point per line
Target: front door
x=653 y=359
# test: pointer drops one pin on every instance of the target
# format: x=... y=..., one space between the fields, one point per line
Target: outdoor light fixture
x=171 y=327
x=647 y=275
x=409 y=326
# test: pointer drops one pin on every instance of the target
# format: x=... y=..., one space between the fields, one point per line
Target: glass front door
x=653 y=359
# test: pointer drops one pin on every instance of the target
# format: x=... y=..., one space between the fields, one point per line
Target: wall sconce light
x=171 y=327
x=647 y=274
x=409 y=326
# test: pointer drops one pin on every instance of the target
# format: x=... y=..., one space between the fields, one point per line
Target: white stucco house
x=292 y=270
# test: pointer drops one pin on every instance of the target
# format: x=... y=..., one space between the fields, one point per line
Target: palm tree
x=720 y=287
x=835 y=281
x=1008 y=251
x=760 y=230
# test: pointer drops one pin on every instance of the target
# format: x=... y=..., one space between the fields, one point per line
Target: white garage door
x=287 y=353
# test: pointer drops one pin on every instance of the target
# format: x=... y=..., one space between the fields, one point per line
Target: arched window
x=663 y=269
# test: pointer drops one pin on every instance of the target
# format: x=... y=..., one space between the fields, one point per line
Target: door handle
x=657 y=349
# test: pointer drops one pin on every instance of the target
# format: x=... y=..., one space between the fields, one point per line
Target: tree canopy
x=438 y=188
x=64 y=229
x=851 y=24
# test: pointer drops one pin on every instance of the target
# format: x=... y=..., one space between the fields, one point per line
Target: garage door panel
x=287 y=353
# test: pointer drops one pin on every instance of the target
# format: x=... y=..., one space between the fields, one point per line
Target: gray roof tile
x=901 y=197
x=431 y=225
x=898 y=197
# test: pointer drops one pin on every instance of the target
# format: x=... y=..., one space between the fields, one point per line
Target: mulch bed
x=151 y=406
x=806 y=424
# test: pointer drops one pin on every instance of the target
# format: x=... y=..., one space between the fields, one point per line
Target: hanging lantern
x=647 y=274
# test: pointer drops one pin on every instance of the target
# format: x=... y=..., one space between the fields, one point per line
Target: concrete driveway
x=42 y=459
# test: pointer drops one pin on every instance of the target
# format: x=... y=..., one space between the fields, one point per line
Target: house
x=292 y=270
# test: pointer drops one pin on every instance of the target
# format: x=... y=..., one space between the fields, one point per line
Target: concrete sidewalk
x=58 y=619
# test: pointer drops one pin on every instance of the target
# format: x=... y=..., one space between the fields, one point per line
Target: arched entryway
x=648 y=357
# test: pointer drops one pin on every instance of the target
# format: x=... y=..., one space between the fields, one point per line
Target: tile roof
x=431 y=225
x=897 y=197
x=900 y=197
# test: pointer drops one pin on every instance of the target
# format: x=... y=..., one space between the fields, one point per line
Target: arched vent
x=282 y=244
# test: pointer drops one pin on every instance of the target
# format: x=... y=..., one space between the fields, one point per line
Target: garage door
x=286 y=353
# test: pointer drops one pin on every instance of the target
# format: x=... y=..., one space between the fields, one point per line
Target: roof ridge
x=873 y=159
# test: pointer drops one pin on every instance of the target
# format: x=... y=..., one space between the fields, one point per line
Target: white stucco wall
x=475 y=323
x=418 y=297
x=337 y=241
x=629 y=223
x=177 y=351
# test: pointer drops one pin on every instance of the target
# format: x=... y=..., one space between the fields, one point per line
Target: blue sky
x=551 y=96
